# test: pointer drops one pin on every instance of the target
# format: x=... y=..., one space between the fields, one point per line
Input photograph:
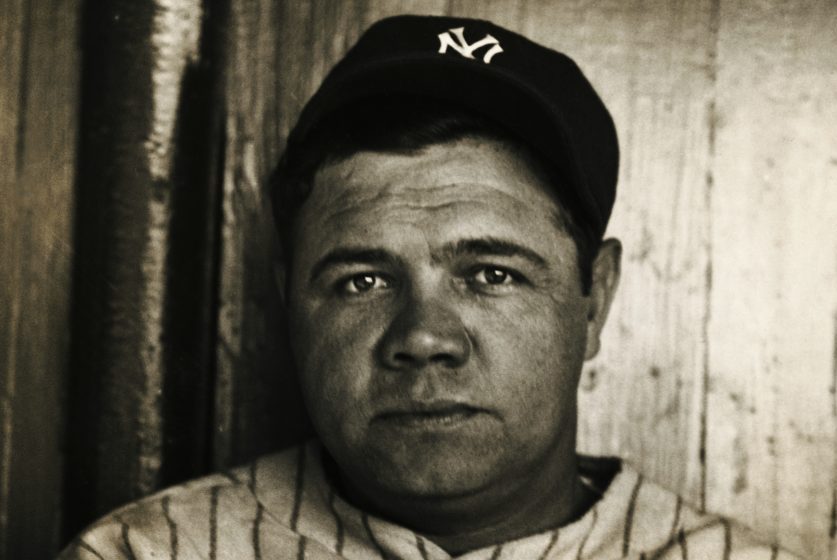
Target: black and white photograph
x=418 y=279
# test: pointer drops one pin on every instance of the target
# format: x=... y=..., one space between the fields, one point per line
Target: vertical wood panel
x=115 y=440
x=38 y=98
x=771 y=446
x=143 y=337
x=250 y=413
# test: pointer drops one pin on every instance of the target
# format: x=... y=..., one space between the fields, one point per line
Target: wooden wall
x=147 y=200
x=39 y=59
x=718 y=372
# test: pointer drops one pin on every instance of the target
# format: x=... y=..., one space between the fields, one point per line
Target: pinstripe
x=252 y=475
x=681 y=540
x=550 y=545
x=257 y=522
x=378 y=547
x=81 y=544
x=339 y=542
x=231 y=477
x=629 y=518
x=300 y=552
x=128 y=550
x=678 y=506
x=172 y=528
x=168 y=533
x=213 y=522
x=727 y=539
x=300 y=481
x=580 y=554
x=421 y=548
x=658 y=553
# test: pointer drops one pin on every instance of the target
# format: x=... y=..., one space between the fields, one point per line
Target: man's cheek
x=338 y=371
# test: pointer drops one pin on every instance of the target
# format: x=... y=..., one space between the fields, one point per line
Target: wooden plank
x=38 y=102
x=250 y=360
x=771 y=443
x=11 y=35
x=114 y=446
x=143 y=341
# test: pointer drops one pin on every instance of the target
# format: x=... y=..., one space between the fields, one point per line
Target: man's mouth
x=434 y=415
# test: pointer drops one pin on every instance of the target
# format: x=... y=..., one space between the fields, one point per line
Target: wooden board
x=38 y=97
x=771 y=449
x=143 y=328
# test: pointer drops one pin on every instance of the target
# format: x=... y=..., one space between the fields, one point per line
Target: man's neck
x=550 y=497
x=547 y=514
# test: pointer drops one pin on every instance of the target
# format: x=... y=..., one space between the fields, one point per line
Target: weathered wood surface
x=148 y=186
x=251 y=412
x=38 y=95
x=771 y=447
x=716 y=375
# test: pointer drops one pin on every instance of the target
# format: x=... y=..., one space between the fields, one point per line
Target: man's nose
x=425 y=333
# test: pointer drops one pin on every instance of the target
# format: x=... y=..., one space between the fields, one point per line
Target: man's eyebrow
x=353 y=255
x=492 y=246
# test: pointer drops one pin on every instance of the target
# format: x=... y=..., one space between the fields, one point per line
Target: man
x=441 y=205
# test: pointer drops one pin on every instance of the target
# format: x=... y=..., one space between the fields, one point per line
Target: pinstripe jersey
x=282 y=506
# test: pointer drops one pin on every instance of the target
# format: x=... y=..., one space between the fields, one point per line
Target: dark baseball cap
x=539 y=94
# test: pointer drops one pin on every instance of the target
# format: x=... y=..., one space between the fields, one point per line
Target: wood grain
x=250 y=363
x=38 y=98
x=771 y=448
x=115 y=407
x=147 y=208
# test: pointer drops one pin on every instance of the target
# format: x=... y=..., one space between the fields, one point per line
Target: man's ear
x=605 y=270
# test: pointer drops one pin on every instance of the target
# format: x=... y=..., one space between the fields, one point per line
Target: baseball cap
x=539 y=94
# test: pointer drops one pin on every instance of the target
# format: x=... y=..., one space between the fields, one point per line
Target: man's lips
x=432 y=415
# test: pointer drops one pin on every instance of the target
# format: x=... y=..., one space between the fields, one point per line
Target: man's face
x=437 y=320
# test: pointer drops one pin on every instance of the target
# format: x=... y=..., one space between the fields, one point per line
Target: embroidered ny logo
x=462 y=47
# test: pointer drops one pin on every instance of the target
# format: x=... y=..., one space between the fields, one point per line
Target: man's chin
x=431 y=469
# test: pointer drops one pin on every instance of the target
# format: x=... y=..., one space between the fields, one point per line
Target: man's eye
x=493 y=276
x=362 y=283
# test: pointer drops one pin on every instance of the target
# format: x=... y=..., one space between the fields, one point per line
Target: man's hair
x=406 y=125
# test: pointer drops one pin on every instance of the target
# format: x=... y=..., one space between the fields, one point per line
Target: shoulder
x=659 y=523
x=186 y=520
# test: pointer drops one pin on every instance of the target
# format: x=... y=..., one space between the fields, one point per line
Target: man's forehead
x=434 y=197
x=435 y=174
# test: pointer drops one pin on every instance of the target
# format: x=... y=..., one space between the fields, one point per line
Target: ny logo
x=462 y=47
